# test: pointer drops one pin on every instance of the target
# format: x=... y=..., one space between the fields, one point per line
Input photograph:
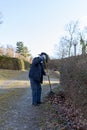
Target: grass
x=6 y=74
x=7 y=102
x=9 y=97
x=19 y=84
x=49 y=120
x=5 y=98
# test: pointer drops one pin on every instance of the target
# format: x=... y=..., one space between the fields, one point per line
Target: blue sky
x=39 y=24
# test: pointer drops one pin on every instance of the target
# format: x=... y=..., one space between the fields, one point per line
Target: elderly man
x=36 y=77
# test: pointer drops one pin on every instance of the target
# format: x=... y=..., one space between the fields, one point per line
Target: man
x=36 y=77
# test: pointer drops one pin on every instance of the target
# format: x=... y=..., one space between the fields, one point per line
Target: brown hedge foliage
x=13 y=63
x=73 y=78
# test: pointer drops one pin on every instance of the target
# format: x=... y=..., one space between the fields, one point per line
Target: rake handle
x=48 y=77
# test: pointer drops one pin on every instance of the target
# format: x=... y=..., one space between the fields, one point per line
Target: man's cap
x=47 y=57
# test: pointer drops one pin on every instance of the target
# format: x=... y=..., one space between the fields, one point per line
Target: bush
x=13 y=63
x=73 y=79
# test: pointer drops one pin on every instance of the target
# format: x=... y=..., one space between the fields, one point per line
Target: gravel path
x=16 y=111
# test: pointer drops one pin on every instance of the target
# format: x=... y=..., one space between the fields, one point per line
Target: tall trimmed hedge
x=13 y=63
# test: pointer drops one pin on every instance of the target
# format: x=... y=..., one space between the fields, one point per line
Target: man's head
x=45 y=56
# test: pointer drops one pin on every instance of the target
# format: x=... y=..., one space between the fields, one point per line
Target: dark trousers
x=36 y=91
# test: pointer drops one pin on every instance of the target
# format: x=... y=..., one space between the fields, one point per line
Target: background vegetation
x=13 y=63
x=15 y=60
x=73 y=79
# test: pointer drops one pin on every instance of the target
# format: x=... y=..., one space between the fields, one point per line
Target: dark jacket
x=37 y=70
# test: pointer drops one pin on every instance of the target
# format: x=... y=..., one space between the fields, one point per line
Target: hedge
x=13 y=63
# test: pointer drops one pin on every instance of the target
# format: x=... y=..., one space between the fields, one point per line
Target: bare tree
x=63 y=47
x=75 y=42
x=61 y=50
x=83 y=43
x=1 y=50
x=71 y=38
x=9 y=51
x=73 y=31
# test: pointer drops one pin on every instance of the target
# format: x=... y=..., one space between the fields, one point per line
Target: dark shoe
x=39 y=102
x=35 y=104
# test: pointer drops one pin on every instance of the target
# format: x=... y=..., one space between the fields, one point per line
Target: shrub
x=73 y=79
x=13 y=63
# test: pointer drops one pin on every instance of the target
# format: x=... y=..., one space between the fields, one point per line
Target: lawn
x=6 y=74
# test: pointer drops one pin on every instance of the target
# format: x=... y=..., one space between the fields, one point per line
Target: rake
x=51 y=92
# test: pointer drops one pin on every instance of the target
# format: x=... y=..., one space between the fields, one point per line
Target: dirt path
x=16 y=111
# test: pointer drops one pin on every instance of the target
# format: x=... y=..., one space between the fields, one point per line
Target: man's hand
x=47 y=74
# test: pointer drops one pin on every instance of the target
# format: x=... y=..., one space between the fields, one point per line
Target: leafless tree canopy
x=69 y=40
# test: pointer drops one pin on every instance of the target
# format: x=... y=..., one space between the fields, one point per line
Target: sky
x=39 y=24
